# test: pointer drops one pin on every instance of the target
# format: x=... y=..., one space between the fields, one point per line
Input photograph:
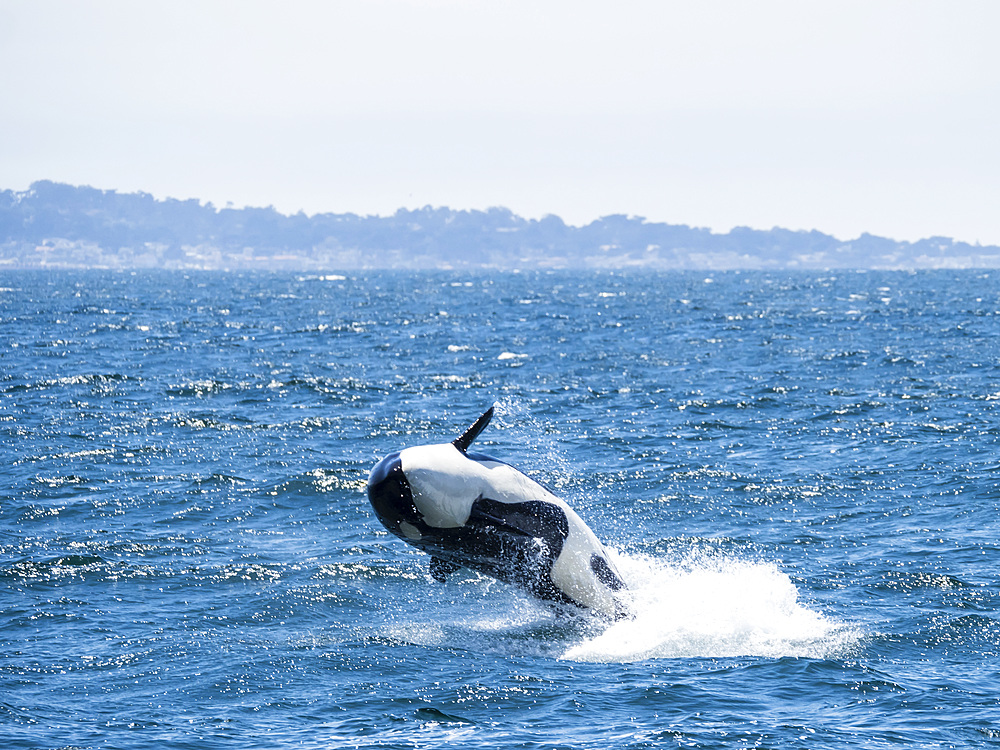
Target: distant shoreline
x=57 y=226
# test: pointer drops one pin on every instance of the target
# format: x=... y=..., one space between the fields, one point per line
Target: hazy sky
x=841 y=116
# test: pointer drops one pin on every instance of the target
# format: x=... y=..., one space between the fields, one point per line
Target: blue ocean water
x=796 y=473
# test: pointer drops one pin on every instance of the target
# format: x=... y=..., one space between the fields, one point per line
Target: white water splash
x=713 y=607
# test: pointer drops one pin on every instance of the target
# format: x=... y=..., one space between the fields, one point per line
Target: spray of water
x=712 y=606
x=521 y=426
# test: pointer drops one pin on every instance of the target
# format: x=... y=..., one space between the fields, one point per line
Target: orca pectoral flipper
x=441 y=569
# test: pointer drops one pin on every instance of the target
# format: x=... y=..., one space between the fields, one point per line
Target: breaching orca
x=468 y=510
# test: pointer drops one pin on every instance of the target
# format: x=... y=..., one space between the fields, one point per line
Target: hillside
x=53 y=225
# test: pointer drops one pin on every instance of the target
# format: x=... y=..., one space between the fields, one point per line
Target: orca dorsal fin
x=465 y=439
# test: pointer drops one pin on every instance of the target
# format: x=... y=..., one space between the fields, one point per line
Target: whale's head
x=405 y=509
x=392 y=498
x=426 y=489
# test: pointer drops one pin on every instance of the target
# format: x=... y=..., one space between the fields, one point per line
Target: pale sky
x=844 y=116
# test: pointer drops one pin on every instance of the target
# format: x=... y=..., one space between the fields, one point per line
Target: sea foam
x=712 y=606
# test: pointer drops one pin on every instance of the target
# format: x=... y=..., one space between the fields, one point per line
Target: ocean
x=796 y=474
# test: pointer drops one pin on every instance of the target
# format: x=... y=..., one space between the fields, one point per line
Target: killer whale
x=470 y=510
